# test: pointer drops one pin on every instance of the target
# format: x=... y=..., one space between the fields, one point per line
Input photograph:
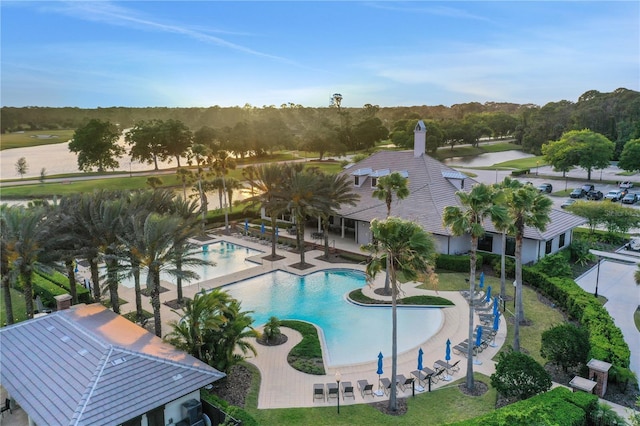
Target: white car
x=626 y=185
x=615 y=195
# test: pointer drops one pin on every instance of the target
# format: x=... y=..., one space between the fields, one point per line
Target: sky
x=205 y=53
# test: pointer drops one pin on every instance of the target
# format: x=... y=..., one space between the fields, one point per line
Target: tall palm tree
x=200 y=153
x=339 y=191
x=5 y=269
x=403 y=247
x=222 y=163
x=305 y=197
x=157 y=237
x=268 y=181
x=23 y=232
x=185 y=176
x=502 y=224
x=386 y=187
x=479 y=203
x=527 y=207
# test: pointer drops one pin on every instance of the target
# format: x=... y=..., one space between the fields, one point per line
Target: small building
x=89 y=366
x=432 y=187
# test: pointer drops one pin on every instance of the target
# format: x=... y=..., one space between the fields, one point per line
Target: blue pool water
x=352 y=333
x=228 y=258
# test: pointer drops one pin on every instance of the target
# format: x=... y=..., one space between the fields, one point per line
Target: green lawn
x=523 y=163
x=443 y=406
x=30 y=138
x=18 y=305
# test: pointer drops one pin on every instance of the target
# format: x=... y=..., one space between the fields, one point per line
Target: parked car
x=588 y=187
x=545 y=187
x=567 y=203
x=577 y=193
x=595 y=195
x=626 y=185
x=633 y=244
x=615 y=195
x=630 y=198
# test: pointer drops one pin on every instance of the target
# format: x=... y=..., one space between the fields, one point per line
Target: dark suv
x=594 y=195
x=578 y=193
x=545 y=187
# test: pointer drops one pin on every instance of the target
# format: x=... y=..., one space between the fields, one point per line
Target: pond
x=486 y=159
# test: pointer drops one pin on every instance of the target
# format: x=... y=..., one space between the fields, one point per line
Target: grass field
x=50 y=189
x=30 y=138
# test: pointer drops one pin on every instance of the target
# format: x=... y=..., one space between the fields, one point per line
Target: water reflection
x=486 y=159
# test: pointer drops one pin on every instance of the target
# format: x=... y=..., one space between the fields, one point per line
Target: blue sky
x=204 y=53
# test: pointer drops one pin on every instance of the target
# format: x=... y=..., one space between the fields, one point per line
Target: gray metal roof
x=431 y=189
x=88 y=365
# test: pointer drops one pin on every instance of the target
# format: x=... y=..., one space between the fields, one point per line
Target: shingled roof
x=88 y=365
x=432 y=187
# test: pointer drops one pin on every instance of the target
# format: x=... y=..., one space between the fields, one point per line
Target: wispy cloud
x=428 y=8
x=109 y=13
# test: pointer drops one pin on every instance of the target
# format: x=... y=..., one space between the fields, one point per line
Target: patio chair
x=365 y=387
x=318 y=391
x=332 y=390
x=386 y=385
x=347 y=390
x=403 y=381
x=6 y=407
x=455 y=367
x=421 y=376
x=438 y=375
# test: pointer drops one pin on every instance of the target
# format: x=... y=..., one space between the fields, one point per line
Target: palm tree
x=185 y=176
x=250 y=173
x=197 y=319
x=268 y=181
x=481 y=202
x=405 y=248
x=200 y=153
x=222 y=163
x=502 y=224
x=527 y=207
x=305 y=197
x=338 y=191
x=386 y=187
x=23 y=232
x=161 y=239
x=4 y=269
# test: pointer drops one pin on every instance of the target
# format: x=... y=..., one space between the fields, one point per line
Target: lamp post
x=338 y=377
x=597 y=278
x=537 y=165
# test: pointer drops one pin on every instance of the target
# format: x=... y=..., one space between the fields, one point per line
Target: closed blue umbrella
x=276 y=232
x=262 y=228
x=496 y=322
x=447 y=354
x=481 y=279
x=379 y=392
x=478 y=336
x=420 y=353
x=495 y=306
x=488 y=299
x=246 y=226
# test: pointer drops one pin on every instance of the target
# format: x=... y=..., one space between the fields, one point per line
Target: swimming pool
x=228 y=258
x=352 y=333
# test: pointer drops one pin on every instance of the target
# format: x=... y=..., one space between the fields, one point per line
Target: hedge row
x=456 y=263
x=606 y=339
x=559 y=406
x=84 y=296
x=46 y=290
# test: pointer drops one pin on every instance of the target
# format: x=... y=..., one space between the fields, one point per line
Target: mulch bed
x=235 y=387
x=271 y=258
x=146 y=292
x=302 y=266
x=173 y=304
x=279 y=340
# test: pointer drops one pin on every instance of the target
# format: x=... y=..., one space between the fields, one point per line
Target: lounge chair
x=442 y=364
x=332 y=390
x=403 y=381
x=318 y=391
x=6 y=407
x=347 y=390
x=438 y=375
x=386 y=385
x=455 y=367
x=365 y=387
x=420 y=376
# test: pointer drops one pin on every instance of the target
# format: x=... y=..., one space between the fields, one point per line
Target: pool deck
x=284 y=387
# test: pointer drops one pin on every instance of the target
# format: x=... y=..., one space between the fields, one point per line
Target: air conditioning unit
x=192 y=412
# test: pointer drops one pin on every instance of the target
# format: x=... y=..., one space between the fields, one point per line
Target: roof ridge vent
x=118 y=361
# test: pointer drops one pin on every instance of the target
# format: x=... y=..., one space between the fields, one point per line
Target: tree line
x=250 y=130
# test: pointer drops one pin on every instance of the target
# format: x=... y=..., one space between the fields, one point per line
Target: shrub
x=555 y=265
x=272 y=329
x=84 y=295
x=579 y=250
x=519 y=376
x=565 y=344
x=509 y=267
x=456 y=263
